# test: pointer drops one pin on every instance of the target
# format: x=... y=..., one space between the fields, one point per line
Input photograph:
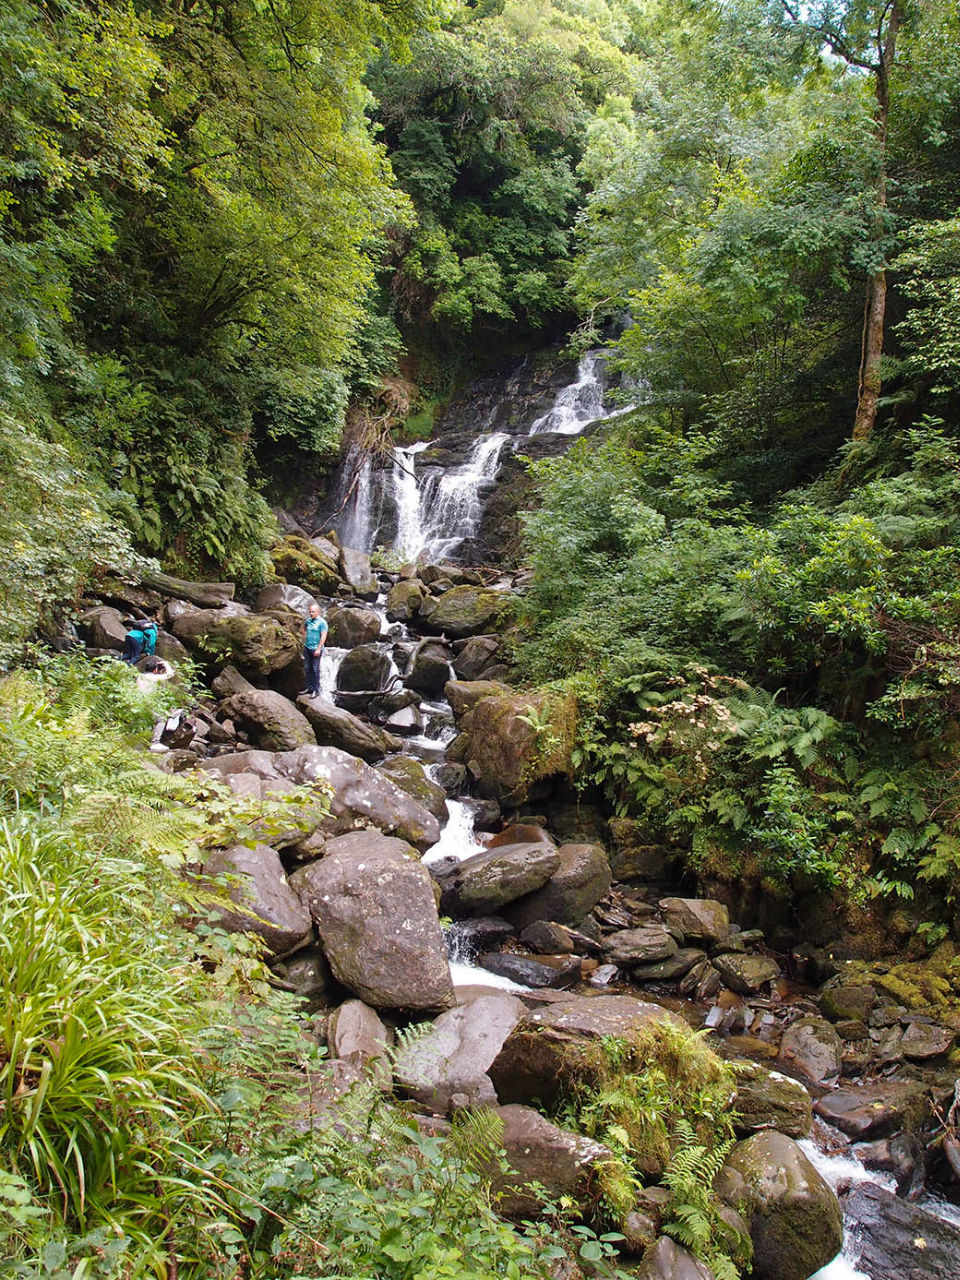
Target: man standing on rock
x=316 y=638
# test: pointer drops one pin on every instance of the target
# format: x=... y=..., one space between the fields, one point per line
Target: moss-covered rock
x=517 y=740
x=463 y=611
x=255 y=643
x=298 y=561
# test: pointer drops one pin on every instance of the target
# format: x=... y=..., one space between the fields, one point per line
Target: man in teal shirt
x=316 y=638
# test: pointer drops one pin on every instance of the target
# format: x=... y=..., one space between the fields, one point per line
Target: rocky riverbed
x=445 y=827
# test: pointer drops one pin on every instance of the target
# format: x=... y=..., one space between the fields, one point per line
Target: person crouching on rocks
x=140 y=640
x=316 y=638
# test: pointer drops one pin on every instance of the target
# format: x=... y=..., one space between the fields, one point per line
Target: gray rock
x=374 y=908
x=307 y=972
x=326 y=546
x=665 y=1260
x=264 y=903
x=403 y=601
x=487 y=881
x=795 y=1220
x=545 y=935
x=645 y=945
x=365 y=669
x=875 y=1110
x=476 y=655
x=358 y=574
x=896 y=1238
x=430 y=669
x=270 y=720
x=280 y=596
x=813 y=1049
x=768 y=1100
x=463 y=611
x=581 y=879
x=356 y=1034
x=208 y=595
x=463 y=695
x=922 y=1040
x=546 y=1163
x=411 y=777
x=103 y=627
x=700 y=919
x=746 y=974
x=332 y=726
x=531 y=971
x=669 y=970
x=229 y=682
x=349 y=628
x=255 y=643
x=406 y=721
x=452 y=777
x=454 y=1056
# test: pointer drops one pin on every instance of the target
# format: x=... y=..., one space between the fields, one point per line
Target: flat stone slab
x=874 y=1111
x=898 y=1240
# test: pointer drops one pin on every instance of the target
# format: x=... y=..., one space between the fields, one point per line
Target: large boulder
x=447 y=1067
x=546 y=1164
x=477 y=654
x=365 y=669
x=349 y=628
x=648 y=943
x=462 y=611
x=255 y=643
x=666 y=1260
x=335 y=727
x=298 y=561
x=430 y=669
x=746 y=974
x=374 y=908
x=103 y=627
x=411 y=777
x=542 y=1054
x=697 y=919
x=360 y=794
x=899 y=1239
x=206 y=595
x=404 y=600
x=813 y=1049
x=263 y=901
x=483 y=883
x=581 y=879
x=517 y=740
x=463 y=695
x=875 y=1110
x=270 y=720
x=356 y=1034
x=768 y=1100
x=358 y=573
x=279 y=597
x=795 y=1221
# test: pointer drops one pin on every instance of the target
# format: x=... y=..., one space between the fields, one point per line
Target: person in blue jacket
x=141 y=638
x=316 y=638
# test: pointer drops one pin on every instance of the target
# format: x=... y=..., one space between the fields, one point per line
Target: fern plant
x=692 y=1217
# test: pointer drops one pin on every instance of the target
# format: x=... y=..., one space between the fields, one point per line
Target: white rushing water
x=841 y=1172
x=457 y=839
x=330 y=660
x=471 y=975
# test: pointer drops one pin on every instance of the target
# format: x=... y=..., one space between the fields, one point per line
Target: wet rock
x=645 y=945
x=358 y=574
x=453 y=1057
x=541 y=1055
x=280 y=596
x=270 y=720
x=813 y=1049
x=843 y=1002
x=487 y=881
x=475 y=657
x=468 y=938
x=332 y=726
x=768 y=1100
x=875 y=1110
x=543 y=1156
x=206 y=595
x=487 y=815
x=666 y=1260
x=508 y=754
x=374 y=908
x=697 y=919
x=902 y=1157
x=404 y=600
x=581 y=879
x=463 y=695
x=923 y=1040
x=297 y=561
x=349 y=628
x=264 y=903
x=531 y=972
x=365 y=669
x=410 y=776
x=746 y=974
x=670 y=969
x=256 y=644
x=356 y=1034
x=452 y=777
x=462 y=611
x=545 y=935
x=430 y=670
x=406 y=722
x=896 y=1238
x=795 y=1220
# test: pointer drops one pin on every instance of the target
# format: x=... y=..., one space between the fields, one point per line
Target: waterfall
x=577 y=404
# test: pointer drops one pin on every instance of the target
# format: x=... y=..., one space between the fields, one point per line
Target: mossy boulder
x=255 y=643
x=769 y=1100
x=411 y=777
x=298 y=561
x=795 y=1221
x=517 y=740
x=404 y=600
x=463 y=611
